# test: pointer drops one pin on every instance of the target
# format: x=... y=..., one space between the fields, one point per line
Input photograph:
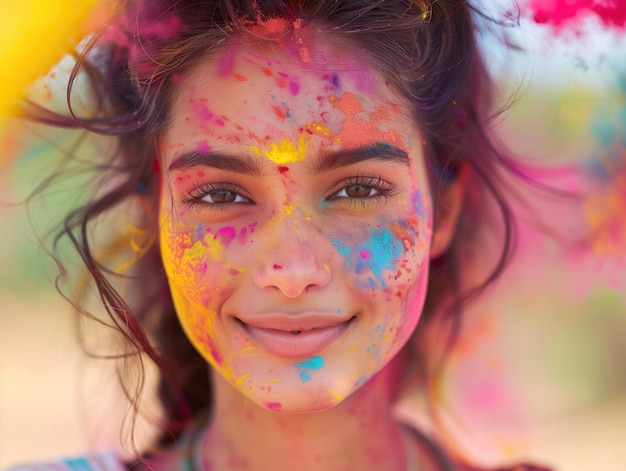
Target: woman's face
x=295 y=222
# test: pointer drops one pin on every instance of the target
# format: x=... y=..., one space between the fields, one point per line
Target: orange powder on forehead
x=358 y=131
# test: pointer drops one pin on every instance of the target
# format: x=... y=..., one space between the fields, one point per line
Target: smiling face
x=295 y=222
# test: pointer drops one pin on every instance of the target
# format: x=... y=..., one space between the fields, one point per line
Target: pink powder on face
x=560 y=13
x=227 y=62
x=365 y=254
x=203 y=147
x=226 y=235
x=201 y=110
x=274 y=406
x=294 y=87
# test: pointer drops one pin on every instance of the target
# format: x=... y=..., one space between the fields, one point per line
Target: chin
x=305 y=404
x=294 y=397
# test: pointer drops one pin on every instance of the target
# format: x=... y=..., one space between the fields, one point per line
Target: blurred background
x=538 y=371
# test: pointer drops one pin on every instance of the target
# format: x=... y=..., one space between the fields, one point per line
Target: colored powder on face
x=201 y=110
x=365 y=254
x=209 y=245
x=227 y=62
x=274 y=406
x=226 y=235
x=418 y=203
x=336 y=396
x=563 y=12
x=278 y=111
x=333 y=80
x=357 y=131
x=286 y=152
x=294 y=87
x=319 y=130
x=404 y=232
x=203 y=147
x=349 y=104
x=313 y=363
x=384 y=251
x=282 y=169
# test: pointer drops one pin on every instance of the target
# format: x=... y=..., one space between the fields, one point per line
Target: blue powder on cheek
x=343 y=249
x=382 y=249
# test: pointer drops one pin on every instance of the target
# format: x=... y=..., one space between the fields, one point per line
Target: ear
x=449 y=197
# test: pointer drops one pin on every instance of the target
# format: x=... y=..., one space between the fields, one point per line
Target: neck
x=357 y=434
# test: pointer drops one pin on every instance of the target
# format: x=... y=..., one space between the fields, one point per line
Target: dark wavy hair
x=426 y=49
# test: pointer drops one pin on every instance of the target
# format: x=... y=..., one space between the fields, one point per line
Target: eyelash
x=383 y=189
x=196 y=197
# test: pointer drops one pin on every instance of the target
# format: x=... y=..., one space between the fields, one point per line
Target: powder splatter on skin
x=286 y=151
x=311 y=364
x=274 y=406
x=379 y=254
x=203 y=147
x=202 y=112
x=359 y=131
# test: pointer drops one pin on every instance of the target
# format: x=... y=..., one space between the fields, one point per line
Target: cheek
x=189 y=258
x=388 y=260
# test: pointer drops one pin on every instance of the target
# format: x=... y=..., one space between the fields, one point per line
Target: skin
x=285 y=230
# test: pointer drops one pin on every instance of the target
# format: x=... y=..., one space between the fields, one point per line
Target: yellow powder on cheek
x=194 y=273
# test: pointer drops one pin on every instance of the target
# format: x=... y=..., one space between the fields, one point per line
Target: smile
x=295 y=336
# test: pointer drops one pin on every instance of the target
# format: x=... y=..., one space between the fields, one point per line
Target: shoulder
x=104 y=461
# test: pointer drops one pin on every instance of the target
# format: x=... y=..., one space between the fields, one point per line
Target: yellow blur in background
x=35 y=34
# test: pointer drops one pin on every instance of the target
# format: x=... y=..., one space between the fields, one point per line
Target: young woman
x=302 y=176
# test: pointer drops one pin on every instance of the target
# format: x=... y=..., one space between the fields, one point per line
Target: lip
x=277 y=335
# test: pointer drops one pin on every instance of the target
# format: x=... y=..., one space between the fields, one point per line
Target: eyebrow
x=218 y=160
x=345 y=157
x=325 y=163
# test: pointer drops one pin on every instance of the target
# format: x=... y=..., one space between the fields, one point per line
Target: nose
x=292 y=266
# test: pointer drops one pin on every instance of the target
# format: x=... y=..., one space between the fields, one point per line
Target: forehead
x=261 y=99
x=268 y=90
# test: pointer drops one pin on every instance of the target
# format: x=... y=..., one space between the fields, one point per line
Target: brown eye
x=358 y=191
x=221 y=196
